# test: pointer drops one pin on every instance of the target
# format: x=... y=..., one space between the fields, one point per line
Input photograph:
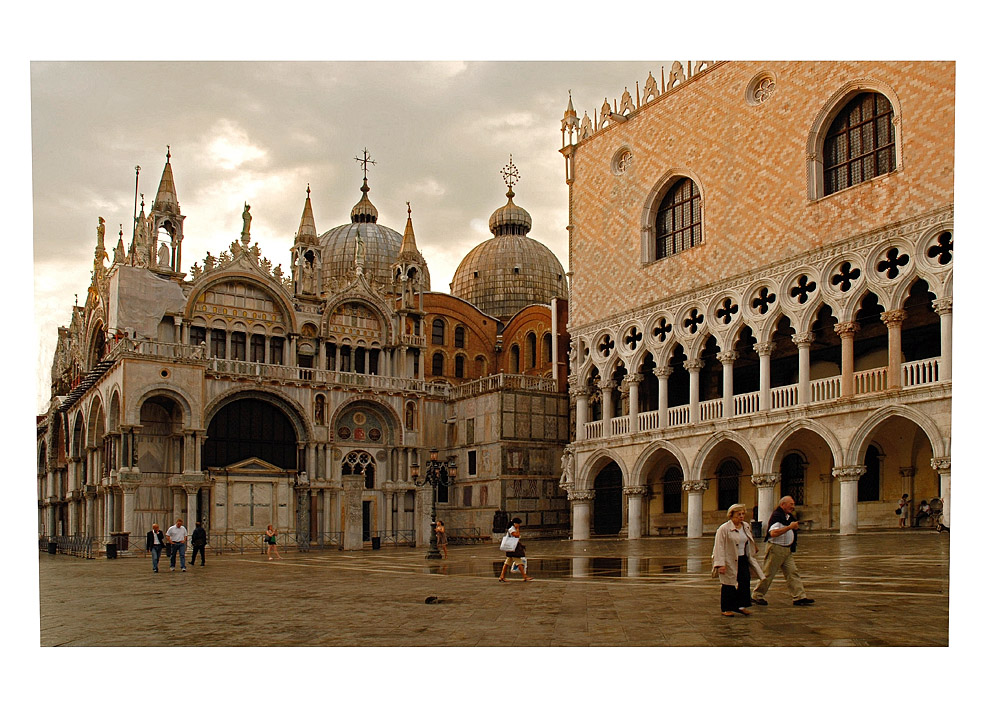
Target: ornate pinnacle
x=510 y=176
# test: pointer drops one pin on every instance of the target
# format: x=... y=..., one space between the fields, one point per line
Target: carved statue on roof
x=605 y=114
x=246 y=220
x=676 y=75
x=626 y=103
x=163 y=256
x=587 y=127
x=651 y=90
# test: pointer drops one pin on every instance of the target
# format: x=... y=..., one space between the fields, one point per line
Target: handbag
x=899 y=511
x=508 y=543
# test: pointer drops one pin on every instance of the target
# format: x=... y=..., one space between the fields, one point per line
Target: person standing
x=901 y=511
x=442 y=538
x=733 y=561
x=779 y=554
x=271 y=536
x=199 y=538
x=517 y=554
x=177 y=534
x=154 y=544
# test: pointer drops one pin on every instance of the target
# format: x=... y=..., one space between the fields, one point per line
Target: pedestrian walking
x=734 y=561
x=271 y=538
x=442 y=538
x=782 y=535
x=517 y=555
x=199 y=538
x=154 y=544
x=177 y=534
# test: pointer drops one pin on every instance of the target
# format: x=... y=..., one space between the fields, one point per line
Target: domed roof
x=510 y=271
x=379 y=251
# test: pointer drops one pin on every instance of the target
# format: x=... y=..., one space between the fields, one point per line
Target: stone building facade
x=241 y=395
x=761 y=260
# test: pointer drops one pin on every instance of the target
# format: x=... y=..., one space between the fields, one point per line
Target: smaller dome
x=510 y=218
x=364 y=212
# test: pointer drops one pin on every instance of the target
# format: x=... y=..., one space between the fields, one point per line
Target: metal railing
x=503 y=381
x=395 y=538
x=81 y=546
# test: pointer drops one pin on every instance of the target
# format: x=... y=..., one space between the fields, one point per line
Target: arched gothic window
x=437 y=364
x=546 y=348
x=678 y=219
x=515 y=359
x=531 y=351
x=459 y=367
x=437 y=332
x=460 y=337
x=860 y=144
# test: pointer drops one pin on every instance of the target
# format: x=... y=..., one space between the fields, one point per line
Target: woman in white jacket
x=733 y=561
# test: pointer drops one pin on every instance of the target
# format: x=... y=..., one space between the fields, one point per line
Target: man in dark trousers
x=779 y=554
x=198 y=540
x=154 y=544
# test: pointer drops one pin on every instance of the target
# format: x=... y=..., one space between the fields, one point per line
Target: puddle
x=579 y=567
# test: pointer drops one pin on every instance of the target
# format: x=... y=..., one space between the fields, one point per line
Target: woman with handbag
x=733 y=561
x=271 y=536
x=517 y=554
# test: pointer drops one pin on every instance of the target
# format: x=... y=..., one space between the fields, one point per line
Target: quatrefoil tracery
x=762 y=302
x=661 y=330
x=893 y=260
x=726 y=312
x=692 y=320
x=633 y=338
x=606 y=345
x=943 y=250
x=846 y=276
x=803 y=287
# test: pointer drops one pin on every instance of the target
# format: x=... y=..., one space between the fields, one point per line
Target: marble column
x=582 y=502
x=848 y=477
x=192 y=507
x=846 y=330
x=325 y=528
x=764 y=350
x=826 y=481
x=765 y=483
x=663 y=394
x=894 y=322
x=634 y=495
x=90 y=527
x=631 y=384
x=607 y=410
x=803 y=341
x=128 y=510
x=694 y=367
x=580 y=396
x=727 y=358
x=943 y=308
x=696 y=492
x=943 y=468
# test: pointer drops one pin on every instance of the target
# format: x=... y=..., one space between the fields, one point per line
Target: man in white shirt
x=177 y=535
x=779 y=554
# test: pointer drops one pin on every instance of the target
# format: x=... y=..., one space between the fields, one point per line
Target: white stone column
x=803 y=341
x=607 y=411
x=943 y=468
x=663 y=393
x=580 y=395
x=826 y=480
x=894 y=322
x=848 y=477
x=765 y=483
x=764 y=350
x=192 y=507
x=694 y=367
x=582 y=502
x=631 y=384
x=634 y=495
x=90 y=527
x=696 y=493
x=128 y=510
x=846 y=330
x=727 y=358
x=943 y=308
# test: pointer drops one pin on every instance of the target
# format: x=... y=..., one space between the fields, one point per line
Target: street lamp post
x=438 y=473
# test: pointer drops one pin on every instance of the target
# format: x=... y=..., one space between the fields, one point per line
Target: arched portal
x=250 y=428
x=608 y=500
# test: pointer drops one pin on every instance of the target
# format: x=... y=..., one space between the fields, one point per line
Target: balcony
x=823 y=390
x=503 y=381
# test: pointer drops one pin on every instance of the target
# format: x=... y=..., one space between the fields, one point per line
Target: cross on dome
x=365 y=160
x=510 y=174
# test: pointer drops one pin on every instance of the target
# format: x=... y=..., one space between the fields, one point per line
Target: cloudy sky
x=259 y=132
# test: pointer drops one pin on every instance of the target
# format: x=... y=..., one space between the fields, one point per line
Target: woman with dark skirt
x=733 y=561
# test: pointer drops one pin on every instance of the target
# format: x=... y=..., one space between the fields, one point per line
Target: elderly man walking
x=779 y=554
x=177 y=534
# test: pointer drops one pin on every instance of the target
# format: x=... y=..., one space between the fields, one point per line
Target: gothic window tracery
x=678 y=219
x=860 y=144
x=437 y=332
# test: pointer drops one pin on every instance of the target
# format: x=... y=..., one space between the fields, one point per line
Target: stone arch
x=698 y=466
x=770 y=462
x=829 y=111
x=171 y=390
x=639 y=473
x=96 y=427
x=384 y=411
x=383 y=315
x=298 y=416
x=595 y=462
x=854 y=455
x=207 y=281
x=647 y=216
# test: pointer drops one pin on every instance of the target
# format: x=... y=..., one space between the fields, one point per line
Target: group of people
x=923 y=511
x=734 y=558
x=176 y=541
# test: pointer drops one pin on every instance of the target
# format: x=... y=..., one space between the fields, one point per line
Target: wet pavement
x=882 y=588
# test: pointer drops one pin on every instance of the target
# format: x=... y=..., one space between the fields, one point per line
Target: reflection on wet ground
x=557 y=568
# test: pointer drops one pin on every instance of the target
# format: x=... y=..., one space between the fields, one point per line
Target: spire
x=166 y=195
x=307 y=226
x=364 y=212
x=408 y=250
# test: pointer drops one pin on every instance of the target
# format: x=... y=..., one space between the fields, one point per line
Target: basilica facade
x=761 y=259
x=241 y=395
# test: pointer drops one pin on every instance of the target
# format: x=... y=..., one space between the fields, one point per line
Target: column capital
x=848 y=474
x=765 y=480
x=694 y=364
x=942 y=306
x=634 y=490
x=663 y=371
x=577 y=496
x=907 y=472
x=941 y=465
x=632 y=379
x=846 y=328
x=893 y=318
x=804 y=338
x=764 y=348
x=694 y=486
x=608 y=384
x=728 y=357
x=580 y=391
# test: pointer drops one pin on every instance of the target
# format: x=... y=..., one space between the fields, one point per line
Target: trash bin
x=121 y=540
x=52 y=547
x=376 y=542
x=112 y=549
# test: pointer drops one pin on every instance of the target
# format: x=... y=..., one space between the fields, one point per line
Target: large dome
x=510 y=271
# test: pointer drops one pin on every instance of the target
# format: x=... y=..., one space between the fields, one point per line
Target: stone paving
x=883 y=588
